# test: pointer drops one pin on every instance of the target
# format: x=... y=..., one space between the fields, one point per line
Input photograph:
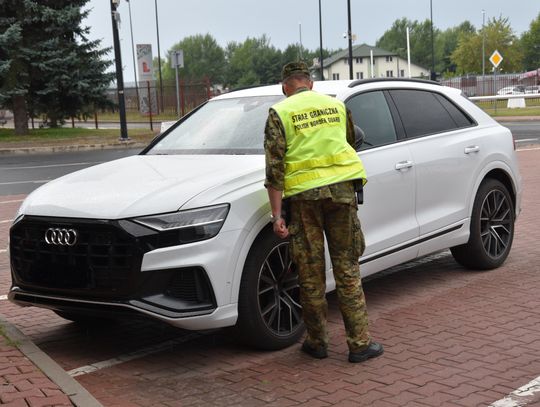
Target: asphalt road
x=21 y=174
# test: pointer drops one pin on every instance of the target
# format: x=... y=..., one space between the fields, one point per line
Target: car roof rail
x=371 y=80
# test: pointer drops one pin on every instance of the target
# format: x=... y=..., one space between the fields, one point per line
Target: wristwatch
x=273 y=218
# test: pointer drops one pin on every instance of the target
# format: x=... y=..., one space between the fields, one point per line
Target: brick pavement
x=452 y=338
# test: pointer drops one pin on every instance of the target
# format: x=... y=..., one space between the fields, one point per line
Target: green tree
x=48 y=65
x=497 y=35
x=445 y=45
x=203 y=58
x=530 y=44
x=253 y=62
x=395 y=40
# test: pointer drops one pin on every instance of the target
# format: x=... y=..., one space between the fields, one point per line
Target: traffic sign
x=496 y=58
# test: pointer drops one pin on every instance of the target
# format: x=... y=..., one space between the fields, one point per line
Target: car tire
x=492 y=228
x=269 y=311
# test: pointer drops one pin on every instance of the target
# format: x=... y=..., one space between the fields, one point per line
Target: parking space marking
x=3 y=297
x=160 y=347
x=37 y=181
x=521 y=396
x=526 y=140
x=528 y=149
x=3 y=250
x=6 y=221
x=48 y=166
x=12 y=201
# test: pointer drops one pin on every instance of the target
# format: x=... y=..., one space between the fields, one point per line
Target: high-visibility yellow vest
x=317 y=153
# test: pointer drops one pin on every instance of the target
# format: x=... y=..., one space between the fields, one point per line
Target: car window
x=371 y=113
x=423 y=112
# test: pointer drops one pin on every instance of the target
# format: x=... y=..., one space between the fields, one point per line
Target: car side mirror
x=359 y=137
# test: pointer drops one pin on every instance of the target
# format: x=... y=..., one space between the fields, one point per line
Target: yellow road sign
x=496 y=58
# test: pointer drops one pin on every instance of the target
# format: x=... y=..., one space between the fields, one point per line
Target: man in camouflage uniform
x=329 y=210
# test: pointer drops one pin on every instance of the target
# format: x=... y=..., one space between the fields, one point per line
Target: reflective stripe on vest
x=318 y=153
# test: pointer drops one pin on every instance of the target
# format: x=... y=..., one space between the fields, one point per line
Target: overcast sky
x=283 y=21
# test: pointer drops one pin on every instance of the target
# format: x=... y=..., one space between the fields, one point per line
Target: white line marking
x=37 y=181
x=521 y=396
x=3 y=250
x=525 y=140
x=48 y=166
x=3 y=297
x=15 y=200
x=79 y=371
x=528 y=149
x=6 y=221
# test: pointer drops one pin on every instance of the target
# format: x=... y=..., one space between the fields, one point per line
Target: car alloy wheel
x=496 y=222
x=278 y=292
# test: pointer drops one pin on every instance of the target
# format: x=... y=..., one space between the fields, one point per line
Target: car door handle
x=403 y=165
x=472 y=149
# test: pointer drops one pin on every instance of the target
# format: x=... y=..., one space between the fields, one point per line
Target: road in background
x=22 y=173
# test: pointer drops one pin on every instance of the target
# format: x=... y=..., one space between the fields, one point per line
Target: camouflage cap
x=294 y=68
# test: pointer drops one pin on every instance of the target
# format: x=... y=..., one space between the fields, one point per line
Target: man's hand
x=280 y=228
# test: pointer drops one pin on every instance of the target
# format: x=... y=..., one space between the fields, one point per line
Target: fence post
x=149 y=104
x=182 y=103
x=95 y=118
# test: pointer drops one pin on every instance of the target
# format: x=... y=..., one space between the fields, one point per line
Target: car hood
x=141 y=185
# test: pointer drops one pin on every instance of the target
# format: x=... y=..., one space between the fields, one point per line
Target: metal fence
x=496 y=84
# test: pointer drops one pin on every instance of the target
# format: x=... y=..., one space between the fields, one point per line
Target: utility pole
x=349 y=35
x=119 y=74
x=320 y=42
x=159 y=58
x=433 y=74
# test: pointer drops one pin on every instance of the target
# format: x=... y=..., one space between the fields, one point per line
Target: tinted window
x=424 y=112
x=371 y=113
x=460 y=118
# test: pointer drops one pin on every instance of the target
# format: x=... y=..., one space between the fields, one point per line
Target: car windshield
x=224 y=126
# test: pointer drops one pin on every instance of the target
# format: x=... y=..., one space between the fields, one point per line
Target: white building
x=385 y=64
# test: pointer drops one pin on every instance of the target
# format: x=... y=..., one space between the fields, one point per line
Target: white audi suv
x=181 y=232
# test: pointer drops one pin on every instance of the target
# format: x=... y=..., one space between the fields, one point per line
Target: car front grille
x=102 y=262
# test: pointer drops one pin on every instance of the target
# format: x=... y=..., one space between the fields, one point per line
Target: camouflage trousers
x=311 y=221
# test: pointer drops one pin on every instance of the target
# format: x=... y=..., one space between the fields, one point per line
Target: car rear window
x=424 y=112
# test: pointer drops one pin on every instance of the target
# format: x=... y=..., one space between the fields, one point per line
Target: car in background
x=181 y=232
x=532 y=89
x=512 y=90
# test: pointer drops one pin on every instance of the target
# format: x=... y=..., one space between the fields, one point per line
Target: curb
x=78 y=395
x=59 y=149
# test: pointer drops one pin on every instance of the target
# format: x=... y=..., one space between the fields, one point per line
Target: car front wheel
x=269 y=311
x=492 y=228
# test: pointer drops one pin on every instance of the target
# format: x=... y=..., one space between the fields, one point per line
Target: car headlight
x=191 y=225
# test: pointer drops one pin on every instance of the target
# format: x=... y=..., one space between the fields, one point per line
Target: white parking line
x=47 y=166
x=6 y=221
x=528 y=149
x=3 y=297
x=3 y=250
x=79 y=371
x=526 y=140
x=520 y=397
x=13 y=201
x=26 y=182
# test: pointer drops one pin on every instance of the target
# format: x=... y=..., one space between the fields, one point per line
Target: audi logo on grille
x=61 y=237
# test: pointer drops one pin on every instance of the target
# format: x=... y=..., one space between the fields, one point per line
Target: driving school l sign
x=496 y=58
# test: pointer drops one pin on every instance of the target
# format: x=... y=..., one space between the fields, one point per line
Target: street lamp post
x=320 y=41
x=159 y=58
x=433 y=75
x=133 y=53
x=119 y=74
x=483 y=53
x=349 y=35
